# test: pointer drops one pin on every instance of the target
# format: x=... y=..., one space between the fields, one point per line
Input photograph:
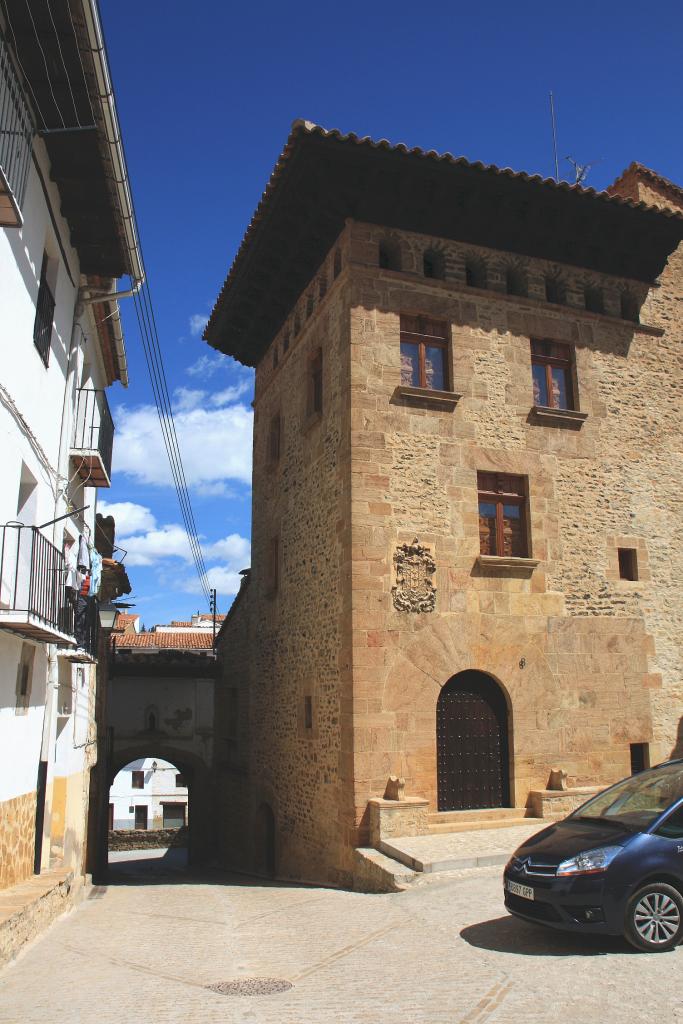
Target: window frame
x=423 y=340
x=137 y=779
x=566 y=363
x=500 y=498
x=627 y=560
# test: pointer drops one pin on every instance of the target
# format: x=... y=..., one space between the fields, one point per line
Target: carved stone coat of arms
x=414 y=590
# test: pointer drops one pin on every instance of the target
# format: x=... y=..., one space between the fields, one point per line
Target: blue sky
x=206 y=94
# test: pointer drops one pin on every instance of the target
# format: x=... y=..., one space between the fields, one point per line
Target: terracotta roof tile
x=174 y=641
x=303 y=127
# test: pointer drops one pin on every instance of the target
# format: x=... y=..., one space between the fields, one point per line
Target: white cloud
x=208 y=364
x=197 y=323
x=215 y=445
x=158 y=544
x=231 y=394
x=234 y=549
x=129 y=517
x=226 y=581
x=187 y=398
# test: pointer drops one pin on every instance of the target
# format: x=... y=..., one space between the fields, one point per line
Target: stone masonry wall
x=144 y=839
x=17 y=839
x=300 y=645
x=571 y=644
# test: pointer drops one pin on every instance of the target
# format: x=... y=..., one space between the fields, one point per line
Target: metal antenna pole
x=552 y=119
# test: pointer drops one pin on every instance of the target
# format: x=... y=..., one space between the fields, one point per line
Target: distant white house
x=148 y=794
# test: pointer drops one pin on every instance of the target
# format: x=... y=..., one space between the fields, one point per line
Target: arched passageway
x=472 y=727
x=148 y=815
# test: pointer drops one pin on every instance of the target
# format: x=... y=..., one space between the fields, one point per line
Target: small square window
x=640 y=757
x=138 y=780
x=628 y=563
x=180 y=782
x=503 y=515
x=308 y=712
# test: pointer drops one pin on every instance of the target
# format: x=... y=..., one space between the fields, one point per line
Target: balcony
x=93 y=438
x=16 y=141
x=32 y=595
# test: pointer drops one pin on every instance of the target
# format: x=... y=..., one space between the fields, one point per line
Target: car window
x=672 y=828
x=636 y=802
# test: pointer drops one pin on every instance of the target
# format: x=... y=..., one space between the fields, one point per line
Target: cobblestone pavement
x=146 y=948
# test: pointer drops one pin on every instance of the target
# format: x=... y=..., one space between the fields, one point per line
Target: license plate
x=520 y=890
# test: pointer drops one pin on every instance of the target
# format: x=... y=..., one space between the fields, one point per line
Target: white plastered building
x=66 y=236
x=149 y=793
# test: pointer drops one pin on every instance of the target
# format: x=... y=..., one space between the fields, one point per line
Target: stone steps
x=443 y=827
x=455 y=850
x=482 y=817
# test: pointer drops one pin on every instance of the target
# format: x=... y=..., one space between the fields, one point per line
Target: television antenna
x=581 y=170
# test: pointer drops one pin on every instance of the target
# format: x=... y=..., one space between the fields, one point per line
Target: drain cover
x=251 y=986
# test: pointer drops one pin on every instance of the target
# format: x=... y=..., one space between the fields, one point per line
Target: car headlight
x=589 y=863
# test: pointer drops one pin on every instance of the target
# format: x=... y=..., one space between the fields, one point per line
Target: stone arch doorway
x=472 y=743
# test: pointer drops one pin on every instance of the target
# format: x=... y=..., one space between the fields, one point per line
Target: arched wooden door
x=472 y=744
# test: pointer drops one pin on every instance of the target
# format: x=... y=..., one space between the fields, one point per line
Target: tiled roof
x=328 y=175
x=174 y=641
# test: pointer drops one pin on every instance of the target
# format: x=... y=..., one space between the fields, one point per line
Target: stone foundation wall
x=145 y=839
x=17 y=839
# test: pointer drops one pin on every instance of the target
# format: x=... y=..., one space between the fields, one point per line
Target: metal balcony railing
x=93 y=438
x=32 y=593
x=16 y=141
x=45 y=313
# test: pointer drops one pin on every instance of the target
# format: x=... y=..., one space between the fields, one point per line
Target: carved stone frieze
x=414 y=590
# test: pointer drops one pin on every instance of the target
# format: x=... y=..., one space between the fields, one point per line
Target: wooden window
x=45 y=311
x=138 y=780
x=516 y=282
x=140 y=817
x=628 y=563
x=315 y=384
x=551 y=371
x=308 y=712
x=476 y=275
x=502 y=515
x=593 y=299
x=273 y=565
x=424 y=353
x=274 y=438
x=433 y=265
x=180 y=782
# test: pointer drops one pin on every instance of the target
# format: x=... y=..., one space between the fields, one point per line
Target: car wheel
x=654 y=918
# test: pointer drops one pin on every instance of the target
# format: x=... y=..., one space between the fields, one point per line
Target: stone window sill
x=418 y=396
x=558 y=417
x=505 y=562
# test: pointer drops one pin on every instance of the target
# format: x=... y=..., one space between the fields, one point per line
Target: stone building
x=467 y=526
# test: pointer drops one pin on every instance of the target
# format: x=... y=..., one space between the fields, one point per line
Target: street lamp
x=108 y=613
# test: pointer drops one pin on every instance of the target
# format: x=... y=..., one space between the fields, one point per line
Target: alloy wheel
x=656 y=918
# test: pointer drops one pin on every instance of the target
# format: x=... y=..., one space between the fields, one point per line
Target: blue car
x=613 y=867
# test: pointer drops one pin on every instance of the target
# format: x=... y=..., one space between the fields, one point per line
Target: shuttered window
x=502 y=515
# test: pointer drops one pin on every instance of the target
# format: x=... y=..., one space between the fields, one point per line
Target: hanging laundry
x=72 y=580
x=83 y=554
x=96 y=572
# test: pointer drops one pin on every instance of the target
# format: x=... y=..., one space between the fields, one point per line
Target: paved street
x=145 y=949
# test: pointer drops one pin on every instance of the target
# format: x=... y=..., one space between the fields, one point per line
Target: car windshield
x=637 y=802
